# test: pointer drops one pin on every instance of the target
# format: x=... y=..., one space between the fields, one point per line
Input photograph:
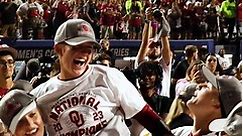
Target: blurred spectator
x=8 y=18
x=174 y=18
x=105 y=49
x=61 y=10
x=7 y=66
x=179 y=115
x=199 y=26
x=135 y=20
x=89 y=12
x=186 y=22
x=157 y=49
x=121 y=28
x=193 y=75
x=212 y=18
x=30 y=15
x=129 y=3
x=149 y=75
x=104 y=59
x=191 y=55
x=223 y=61
x=47 y=16
x=20 y=115
x=232 y=125
x=211 y=101
x=228 y=11
x=212 y=64
x=107 y=19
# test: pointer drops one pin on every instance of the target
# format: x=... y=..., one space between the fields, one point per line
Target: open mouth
x=32 y=132
x=79 y=62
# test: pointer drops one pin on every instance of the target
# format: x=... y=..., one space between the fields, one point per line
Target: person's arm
x=152 y=122
x=166 y=52
x=145 y=37
x=165 y=31
x=143 y=46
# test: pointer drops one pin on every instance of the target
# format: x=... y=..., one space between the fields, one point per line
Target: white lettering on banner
x=34 y=53
x=121 y=52
x=49 y=52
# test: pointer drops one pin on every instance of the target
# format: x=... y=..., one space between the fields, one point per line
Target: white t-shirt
x=92 y=104
x=224 y=62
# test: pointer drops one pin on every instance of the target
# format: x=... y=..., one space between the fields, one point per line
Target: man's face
x=6 y=67
x=205 y=101
x=154 y=51
x=211 y=63
x=148 y=80
x=195 y=55
x=30 y=125
x=74 y=59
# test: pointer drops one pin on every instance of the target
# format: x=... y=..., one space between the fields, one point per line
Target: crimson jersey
x=3 y=91
x=108 y=17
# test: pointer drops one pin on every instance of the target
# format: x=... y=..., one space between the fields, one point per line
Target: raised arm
x=165 y=31
x=145 y=37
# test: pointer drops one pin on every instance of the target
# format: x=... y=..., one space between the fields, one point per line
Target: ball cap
x=232 y=125
x=75 y=32
x=229 y=90
x=15 y=105
x=12 y=51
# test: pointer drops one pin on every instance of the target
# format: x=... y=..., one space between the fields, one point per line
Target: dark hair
x=218 y=67
x=189 y=50
x=104 y=56
x=4 y=53
x=148 y=67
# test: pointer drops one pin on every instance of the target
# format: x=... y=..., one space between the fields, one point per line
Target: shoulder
x=44 y=87
x=108 y=72
x=104 y=69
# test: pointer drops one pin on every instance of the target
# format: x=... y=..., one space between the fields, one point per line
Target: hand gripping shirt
x=92 y=104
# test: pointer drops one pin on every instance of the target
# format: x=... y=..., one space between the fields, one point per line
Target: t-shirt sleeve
x=128 y=96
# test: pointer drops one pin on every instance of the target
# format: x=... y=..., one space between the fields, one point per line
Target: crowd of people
x=84 y=93
x=122 y=19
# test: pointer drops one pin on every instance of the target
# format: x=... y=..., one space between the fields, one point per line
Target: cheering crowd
x=120 y=19
x=84 y=93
